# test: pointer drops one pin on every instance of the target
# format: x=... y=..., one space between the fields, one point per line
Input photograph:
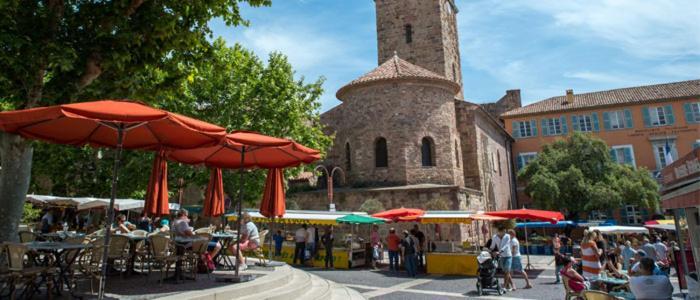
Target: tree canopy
x=578 y=174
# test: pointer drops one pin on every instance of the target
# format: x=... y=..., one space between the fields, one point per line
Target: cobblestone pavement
x=383 y=284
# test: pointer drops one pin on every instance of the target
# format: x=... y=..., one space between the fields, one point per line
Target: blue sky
x=541 y=47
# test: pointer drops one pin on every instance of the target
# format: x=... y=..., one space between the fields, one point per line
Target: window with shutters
x=634 y=215
x=553 y=126
x=408 y=33
x=658 y=117
x=525 y=158
x=696 y=145
x=381 y=159
x=693 y=112
x=665 y=152
x=427 y=152
x=617 y=119
x=525 y=129
x=584 y=123
x=623 y=154
x=597 y=215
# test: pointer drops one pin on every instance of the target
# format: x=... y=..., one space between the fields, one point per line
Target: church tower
x=423 y=32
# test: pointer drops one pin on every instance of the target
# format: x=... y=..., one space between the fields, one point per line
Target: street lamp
x=329 y=180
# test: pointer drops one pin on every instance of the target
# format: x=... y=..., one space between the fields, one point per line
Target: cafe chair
x=203 y=230
x=90 y=262
x=19 y=275
x=26 y=236
x=570 y=294
x=258 y=252
x=598 y=295
x=139 y=232
x=162 y=254
x=194 y=257
x=118 y=251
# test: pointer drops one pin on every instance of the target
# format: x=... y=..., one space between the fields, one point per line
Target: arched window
x=457 y=153
x=408 y=33
x=426 y=151
x=381 y=159
x=348 y=158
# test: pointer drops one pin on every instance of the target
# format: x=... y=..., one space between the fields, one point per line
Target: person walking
x=311 y=239
x=627 y=254
x=421 y=245
x=408 y=247
x=300 y=237
x=558 y=261
x=590 y=255
x=376 y=244
x=279 y=239
x=327 y=241
x=500 y=243
x=392 y=244
x=517 y=264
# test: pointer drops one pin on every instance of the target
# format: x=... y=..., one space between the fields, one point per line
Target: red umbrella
x=401 y=214
x=110 y=123
x=272 y=204
x=157 y=191
x=247 y=149
x=214 y=199
x=529 y=214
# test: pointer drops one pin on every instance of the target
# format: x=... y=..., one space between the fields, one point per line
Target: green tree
x=372 y=206
x=578 y=174
x=57 y=51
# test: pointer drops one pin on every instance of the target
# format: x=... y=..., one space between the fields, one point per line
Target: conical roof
x=397 y=69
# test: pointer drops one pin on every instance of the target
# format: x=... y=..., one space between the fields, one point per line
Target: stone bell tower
x=423 y=32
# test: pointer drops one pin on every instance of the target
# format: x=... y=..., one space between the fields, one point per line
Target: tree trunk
x=16 y=159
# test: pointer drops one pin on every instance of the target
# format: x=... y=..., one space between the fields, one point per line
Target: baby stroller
x=487 y=274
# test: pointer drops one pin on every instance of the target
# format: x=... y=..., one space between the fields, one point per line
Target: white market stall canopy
x=311 y=217
x=619 y=229
x=82 y=203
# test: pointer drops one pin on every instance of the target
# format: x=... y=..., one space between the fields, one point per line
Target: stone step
x=339 y=292
x=320 y=289
x=300 y=284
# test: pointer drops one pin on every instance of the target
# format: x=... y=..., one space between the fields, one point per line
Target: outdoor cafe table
x=609 y=281
x=62 y=260
x=60 y=236
x=226 y=239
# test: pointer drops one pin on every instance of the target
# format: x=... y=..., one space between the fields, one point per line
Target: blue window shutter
x=688 y=113
x=564 y=128
x=520 y=161
x=628 y=119
x=545 y=128
x=574 y=123
x=647 y=117
x=612 y=154
x=596 y=126
x=533 y=124
x=668 y=110
x=516 y=129
x=696 y=145
x=628 y=155
x=606 y=120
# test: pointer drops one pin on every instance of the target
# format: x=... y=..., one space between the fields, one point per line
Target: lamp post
x=329 y=182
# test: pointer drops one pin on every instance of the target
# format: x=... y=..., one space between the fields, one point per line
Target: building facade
x=646 y=126
x=403 y=134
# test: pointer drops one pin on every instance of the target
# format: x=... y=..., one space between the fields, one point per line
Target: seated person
x=144 y=223
x=250 y=240
x=573 y=279
x=164 y=226
x=634 y=269
x=181 y=227
x=646 y=285
x=613 y=264
x=121 y=225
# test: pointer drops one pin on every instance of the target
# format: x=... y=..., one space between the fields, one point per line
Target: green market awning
x=359 y=219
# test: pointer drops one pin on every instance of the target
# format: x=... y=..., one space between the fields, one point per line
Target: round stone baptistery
x=397 y=126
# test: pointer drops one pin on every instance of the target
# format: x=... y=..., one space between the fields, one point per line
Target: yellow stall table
x=340 y=256
x=451 y=263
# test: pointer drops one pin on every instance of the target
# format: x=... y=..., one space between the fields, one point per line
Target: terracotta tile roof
x=397 y=69
x=639 y=94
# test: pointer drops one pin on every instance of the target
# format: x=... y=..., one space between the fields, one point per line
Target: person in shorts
x=500 y=244
x=517 y=263
x=250 y=240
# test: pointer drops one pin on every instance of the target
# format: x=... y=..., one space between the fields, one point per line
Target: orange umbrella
x=115 y=124
x=401 y=214
x=214 y=199
x=273 y=205
x=157 y=191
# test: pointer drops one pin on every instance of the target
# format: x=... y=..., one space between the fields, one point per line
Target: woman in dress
x=573 y=279
x=590 y=255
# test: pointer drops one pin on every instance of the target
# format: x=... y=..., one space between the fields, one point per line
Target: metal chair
x=162 y=253
x=90 y=262
x=20 y=275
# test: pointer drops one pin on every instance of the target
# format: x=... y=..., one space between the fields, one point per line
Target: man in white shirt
x=501 y=245
x=649 y=286
x=300 y=237
x=311 y=241
x=649 y=249
x=661 y=251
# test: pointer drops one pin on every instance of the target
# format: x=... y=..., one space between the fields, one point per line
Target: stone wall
x=511 y=100
x=434 y=44
x=402 y=113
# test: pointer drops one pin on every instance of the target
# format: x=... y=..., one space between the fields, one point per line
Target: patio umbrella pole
x=240 y=212
x=110 y=210
x=527 y=249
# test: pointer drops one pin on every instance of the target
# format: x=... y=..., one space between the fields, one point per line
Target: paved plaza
x=383 y=284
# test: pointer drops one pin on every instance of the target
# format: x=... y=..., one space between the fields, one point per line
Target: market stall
x=447 y=257
x=541 y=244
x=616 y=229
x=344 y=247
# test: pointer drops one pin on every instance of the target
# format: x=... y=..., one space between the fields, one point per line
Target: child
x=278 y=238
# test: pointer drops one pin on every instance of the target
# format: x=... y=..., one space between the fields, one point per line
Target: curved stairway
x=280 y=283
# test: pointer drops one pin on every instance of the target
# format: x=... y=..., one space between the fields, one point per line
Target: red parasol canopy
x=261 y=151
x=529 y=214
x=272 y=204
x=96 y=123
x=214 y=198
x=401 y=214
x=156 y=203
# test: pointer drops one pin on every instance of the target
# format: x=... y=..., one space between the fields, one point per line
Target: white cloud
x=598 y=77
